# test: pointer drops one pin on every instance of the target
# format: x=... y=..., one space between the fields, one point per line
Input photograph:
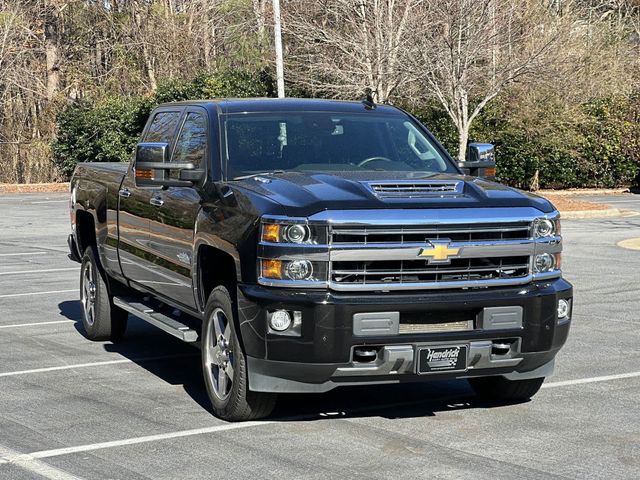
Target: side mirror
x=481 y=161
x=152 y=167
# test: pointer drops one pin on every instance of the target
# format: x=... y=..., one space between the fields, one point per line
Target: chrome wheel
x=88 y=292
x=219 y=359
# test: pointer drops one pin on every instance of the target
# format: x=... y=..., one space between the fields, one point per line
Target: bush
x=599 y=148
x=108 y=130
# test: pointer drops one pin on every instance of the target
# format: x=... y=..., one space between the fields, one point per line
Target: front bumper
x=322 y=357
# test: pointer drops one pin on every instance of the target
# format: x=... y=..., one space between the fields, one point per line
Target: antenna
x=367 y=101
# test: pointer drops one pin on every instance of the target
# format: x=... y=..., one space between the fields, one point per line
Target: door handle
x=124 y=193
x=156 y=201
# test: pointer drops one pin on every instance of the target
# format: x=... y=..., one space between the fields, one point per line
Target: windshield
x=328 y=142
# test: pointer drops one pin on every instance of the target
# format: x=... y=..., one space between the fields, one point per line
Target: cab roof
x=255 y=105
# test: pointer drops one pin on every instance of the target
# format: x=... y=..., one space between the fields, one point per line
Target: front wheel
x=224 y=365
x=501 y=389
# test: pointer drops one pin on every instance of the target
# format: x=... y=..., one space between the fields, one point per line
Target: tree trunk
x=52 y=53
x=463 y=138
x=259 y=12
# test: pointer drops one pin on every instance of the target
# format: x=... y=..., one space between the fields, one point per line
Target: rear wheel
x=101 y=319
x=501 y=389
x=224 y=365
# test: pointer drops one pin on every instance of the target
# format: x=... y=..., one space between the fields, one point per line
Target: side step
x=157 y=319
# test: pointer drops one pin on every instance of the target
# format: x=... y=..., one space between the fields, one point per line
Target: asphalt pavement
x=71 y=408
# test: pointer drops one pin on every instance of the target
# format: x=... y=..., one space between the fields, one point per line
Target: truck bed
x=120 y=167
x=106 y=174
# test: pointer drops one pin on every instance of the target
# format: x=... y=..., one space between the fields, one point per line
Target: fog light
x=563 y=308
x=299 y=270
x=543 y=262
x=279 y=320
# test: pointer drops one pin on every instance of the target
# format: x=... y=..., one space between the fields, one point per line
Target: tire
x=224 y=364
x=502 y=390
x=101 y=319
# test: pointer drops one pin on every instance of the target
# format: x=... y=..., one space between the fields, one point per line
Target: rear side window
x=191 y=145
x=162 y=127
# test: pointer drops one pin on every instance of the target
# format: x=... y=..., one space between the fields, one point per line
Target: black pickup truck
x=311 y=244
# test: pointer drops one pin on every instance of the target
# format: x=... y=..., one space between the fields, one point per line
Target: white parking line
x=21 y=253
x=196 y=431
x=36 y=323
x=147 y=439
x=10 y=295
x=33 y=465
x=34 y=456
x=48 y=270
x=50 y=201
x=580 y=381
x=93 y=364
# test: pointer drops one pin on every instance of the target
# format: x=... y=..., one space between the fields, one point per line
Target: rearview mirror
x=152 y=167
x=481 y=161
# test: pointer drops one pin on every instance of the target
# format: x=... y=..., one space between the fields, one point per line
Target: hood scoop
x=416 y=189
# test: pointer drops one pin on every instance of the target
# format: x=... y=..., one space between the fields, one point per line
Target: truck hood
x=303 y=194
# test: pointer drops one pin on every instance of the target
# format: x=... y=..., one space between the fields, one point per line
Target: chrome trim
x=385 y=287
x=284 y=219
x=426 y=230
x=408 y=189
x=445 y=269
x=415 y=221
x=270 y=282
x=285 y=251
x=430 y=217
x=551 y=274
x=385 y=251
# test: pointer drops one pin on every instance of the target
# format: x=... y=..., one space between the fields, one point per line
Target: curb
x=10 y=188
x=584 y=191
x=607 y=213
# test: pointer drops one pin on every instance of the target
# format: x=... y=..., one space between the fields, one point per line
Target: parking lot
x=70 y=408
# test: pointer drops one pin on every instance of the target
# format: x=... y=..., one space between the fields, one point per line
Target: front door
x=136 y=209
x=176 y=209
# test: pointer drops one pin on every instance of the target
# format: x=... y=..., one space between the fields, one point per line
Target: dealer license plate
x=449 y=358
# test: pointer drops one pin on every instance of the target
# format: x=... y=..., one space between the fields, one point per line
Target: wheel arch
x=86 y=234
x=213 y=267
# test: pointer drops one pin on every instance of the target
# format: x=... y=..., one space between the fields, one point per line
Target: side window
x=162 y=127
x=191 y=145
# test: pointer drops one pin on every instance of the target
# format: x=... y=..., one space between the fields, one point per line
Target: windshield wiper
x=274 y=172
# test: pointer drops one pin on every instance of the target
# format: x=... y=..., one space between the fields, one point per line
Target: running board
x=157 y=319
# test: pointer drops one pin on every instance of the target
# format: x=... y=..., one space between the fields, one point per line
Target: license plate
x=450 y=358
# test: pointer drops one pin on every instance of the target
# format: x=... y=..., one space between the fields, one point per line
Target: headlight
x=543 y=262
x=294 y=233
x=293 y=270
x=543 y=227
x=299 y=270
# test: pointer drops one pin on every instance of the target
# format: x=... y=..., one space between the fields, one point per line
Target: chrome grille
x=410 y=189
x=387 y=258
x=412 y=271
x=457 y=233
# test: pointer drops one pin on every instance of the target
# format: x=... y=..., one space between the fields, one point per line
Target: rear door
x=135 y=208
x=176 y=209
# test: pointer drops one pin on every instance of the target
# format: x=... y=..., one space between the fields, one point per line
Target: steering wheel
x=374 y=159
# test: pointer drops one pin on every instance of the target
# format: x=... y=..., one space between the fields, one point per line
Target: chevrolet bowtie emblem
x=439 y=251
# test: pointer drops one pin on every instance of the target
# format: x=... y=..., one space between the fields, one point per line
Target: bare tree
x=472 y=50
x=341 y=47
